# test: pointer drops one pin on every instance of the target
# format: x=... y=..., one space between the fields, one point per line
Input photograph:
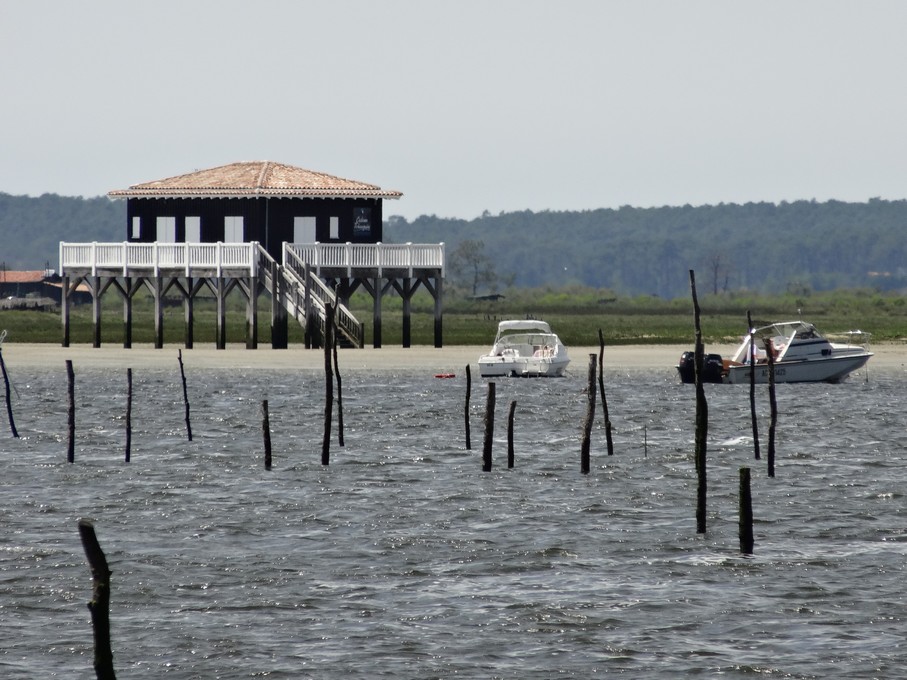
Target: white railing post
x=218 y=257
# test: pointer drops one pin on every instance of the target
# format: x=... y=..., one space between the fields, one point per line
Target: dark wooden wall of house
x=266 y=220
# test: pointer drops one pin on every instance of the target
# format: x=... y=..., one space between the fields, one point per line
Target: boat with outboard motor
x=800 y=354
x=525 y=348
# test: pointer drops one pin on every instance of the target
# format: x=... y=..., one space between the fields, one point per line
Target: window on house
x=335 y=228
x=136 y=227
x=193 y=229
x=165 y=230
x=233 y=229
x=304 y=230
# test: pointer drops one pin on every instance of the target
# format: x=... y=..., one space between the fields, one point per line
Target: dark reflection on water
x=402 y=559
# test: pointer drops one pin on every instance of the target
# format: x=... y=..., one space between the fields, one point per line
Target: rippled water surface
x=402 y=559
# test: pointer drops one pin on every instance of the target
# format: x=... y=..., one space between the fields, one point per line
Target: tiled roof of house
x=23 y=277
x=255 y=178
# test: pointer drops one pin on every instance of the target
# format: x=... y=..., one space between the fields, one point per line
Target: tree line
x=795 y=247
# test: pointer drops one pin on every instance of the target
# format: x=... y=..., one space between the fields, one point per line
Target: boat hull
x=496 y=366
x=831 y=370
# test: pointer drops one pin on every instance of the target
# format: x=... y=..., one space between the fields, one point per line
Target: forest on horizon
x=798 y=246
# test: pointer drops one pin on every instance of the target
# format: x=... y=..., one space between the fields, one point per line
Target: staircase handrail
x=295 y=267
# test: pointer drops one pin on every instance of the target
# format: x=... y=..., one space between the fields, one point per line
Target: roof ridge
x=263 y=175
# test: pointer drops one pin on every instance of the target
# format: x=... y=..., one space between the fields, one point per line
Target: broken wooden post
x=266 y=432
x=99 y=606
x=773 y=408
x=601 y=388
x=746 y=513
x=466 y=407
x=71 y=391
x=489 y=428
x=128 y=414
x=590 y=416
x=752 y=360
x=510 y=456
x=702 y=416
x=185 y=394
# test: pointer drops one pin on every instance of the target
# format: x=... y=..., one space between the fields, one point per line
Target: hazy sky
x=466 y=105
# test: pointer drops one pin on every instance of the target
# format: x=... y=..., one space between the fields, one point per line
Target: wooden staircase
x=306 y=298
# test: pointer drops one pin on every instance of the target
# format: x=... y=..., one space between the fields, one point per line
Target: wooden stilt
x=376 y=313
x=95 y=284
x=439 y=332
x=64 y=308
x=407 y=312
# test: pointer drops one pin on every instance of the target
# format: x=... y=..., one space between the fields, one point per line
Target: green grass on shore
x=576 y=315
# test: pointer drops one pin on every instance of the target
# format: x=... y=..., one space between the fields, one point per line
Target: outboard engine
x=712 y=368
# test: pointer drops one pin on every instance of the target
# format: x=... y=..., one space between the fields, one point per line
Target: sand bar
x=452 y=359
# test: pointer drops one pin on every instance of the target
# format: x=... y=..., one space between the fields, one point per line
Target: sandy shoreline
x=451 y=359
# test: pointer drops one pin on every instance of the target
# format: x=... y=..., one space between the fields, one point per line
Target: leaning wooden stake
x=100 y=601
x=489 y=428
x=466 y=407
x=9 y=403
x=328 y=385
x=752 y=360
x=702 y=416
x=510 y=456
x=335 y=335
x=601 y=388
x=746 y=513
x=585 y=462
x=773 y=408
x=185 y=395
x=71 y=391
x=128 y=414
x=266 y=432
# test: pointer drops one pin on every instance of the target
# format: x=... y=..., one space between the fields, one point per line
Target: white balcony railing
x=128 y=257
x=147 y=258
x=377 y=256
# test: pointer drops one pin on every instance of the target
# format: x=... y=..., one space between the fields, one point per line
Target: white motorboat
x=800 y=353
x=525 y=349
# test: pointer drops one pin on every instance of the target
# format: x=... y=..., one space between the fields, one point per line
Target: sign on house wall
x=362 y=222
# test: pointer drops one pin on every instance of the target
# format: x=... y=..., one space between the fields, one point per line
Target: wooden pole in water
x=334 y=335
x=185 y=394
x=489 y=428
x=266 y=432
x=71 y=391
x=510 y=456
x=702 y=416
x=466 y=407
x=9 y=403
x=590 y=416
x=128 y=414
x=773 y=408
x=99 y=606
x=328 y=384
x=746 y=513
x=752 y=357
x=601 y=388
